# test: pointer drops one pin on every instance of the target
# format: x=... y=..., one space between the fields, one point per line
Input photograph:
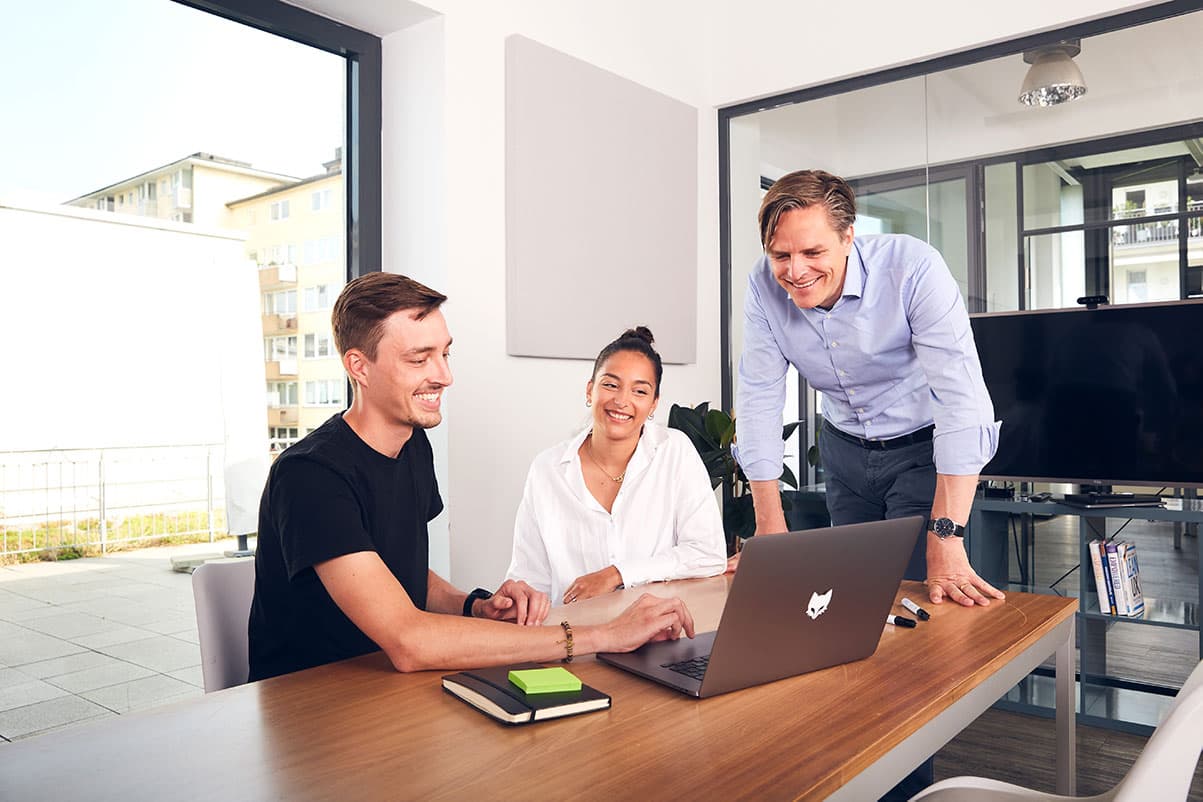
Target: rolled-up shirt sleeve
x=966 y=435
x=760 y=396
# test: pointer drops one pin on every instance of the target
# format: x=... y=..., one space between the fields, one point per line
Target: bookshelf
x=989 y=539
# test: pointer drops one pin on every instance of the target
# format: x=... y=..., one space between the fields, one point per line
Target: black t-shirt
x=332 y=494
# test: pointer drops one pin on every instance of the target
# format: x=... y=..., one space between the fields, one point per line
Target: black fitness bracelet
x=479 y=593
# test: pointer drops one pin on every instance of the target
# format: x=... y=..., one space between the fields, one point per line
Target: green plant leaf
x=788 y=477
x=812 y=456
x=717 y=424
x=789 y=429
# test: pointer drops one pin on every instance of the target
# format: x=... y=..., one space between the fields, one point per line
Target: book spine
x=1136 y=597
x=1117 y=582
x=1100 y=576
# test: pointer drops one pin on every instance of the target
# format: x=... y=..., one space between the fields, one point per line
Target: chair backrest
x=1164 y=769
x=223 y=590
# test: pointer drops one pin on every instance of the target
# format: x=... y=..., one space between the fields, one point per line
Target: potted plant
x=712 y=433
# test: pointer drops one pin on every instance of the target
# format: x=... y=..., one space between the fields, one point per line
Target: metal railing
x=57 y=499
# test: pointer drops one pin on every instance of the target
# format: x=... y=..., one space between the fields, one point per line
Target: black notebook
x=490 y=691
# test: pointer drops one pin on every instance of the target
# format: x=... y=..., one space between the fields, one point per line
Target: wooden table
x=359 y=730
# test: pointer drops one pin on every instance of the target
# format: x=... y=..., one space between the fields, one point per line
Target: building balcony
x=283 y=416
x=280 y=369
x=274 y=276
x=279 y=324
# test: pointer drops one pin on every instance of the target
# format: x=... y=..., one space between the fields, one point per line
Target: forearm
x=766 y=501
x=442 y=596
x=954 y=497
x=433 y=641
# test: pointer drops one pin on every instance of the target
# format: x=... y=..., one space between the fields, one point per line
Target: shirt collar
x=854 y=276
x=652 y=437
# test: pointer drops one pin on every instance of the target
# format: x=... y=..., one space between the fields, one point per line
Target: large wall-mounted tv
x=1112 y=395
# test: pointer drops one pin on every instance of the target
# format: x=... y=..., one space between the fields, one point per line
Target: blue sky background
x=94 y=92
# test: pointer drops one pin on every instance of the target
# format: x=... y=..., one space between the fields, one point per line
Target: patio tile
x=35 y=718
x=192 y=675
x=110 y=673
x=66 y=665
x=69 y=625
x=28 y=692
x=31 y=647
x=160 y=653
x=118 y=633
x=172 y=624
x=139 y=694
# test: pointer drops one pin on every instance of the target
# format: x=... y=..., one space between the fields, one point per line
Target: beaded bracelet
x=568 y=642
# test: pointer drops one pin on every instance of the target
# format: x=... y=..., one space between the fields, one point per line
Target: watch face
x=944 y=527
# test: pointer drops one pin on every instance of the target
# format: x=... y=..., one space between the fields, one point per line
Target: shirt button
x=834 y=344
x=860 y=409
x=852 y=392
x=843 y=373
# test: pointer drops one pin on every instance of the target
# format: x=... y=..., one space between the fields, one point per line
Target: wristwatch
x=945 y=528
x=479 y=593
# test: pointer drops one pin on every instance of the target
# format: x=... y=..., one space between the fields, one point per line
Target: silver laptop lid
x=808 y=600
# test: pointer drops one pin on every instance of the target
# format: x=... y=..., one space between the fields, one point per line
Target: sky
x=94 y=92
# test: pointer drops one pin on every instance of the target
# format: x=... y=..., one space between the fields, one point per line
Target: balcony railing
x=60 y=499
x=279 y=324
x=1158 y=233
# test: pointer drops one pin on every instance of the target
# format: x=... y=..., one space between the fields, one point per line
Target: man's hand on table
x=949 y=575
x=514 y=601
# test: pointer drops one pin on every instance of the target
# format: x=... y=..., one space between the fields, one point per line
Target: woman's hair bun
x=639 y=333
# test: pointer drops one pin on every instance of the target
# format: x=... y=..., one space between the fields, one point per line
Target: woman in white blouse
x=625 y=501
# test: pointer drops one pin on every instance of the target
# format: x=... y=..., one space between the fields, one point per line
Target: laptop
x=799 y=602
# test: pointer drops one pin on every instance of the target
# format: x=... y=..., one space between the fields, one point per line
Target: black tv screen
x=1112 y=395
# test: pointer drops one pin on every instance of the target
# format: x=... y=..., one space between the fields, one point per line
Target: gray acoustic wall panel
x=601 y=209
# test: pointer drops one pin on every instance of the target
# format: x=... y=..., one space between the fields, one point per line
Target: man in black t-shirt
x=342 y=566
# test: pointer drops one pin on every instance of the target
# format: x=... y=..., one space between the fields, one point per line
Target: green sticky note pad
x=545 y=680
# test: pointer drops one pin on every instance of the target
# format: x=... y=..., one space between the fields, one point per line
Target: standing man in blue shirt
x=878 y=326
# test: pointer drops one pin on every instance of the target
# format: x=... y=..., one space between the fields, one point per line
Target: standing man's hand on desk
x=949 y=574
x=770 y=517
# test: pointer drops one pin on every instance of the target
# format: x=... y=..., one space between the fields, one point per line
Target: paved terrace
x=85 y=639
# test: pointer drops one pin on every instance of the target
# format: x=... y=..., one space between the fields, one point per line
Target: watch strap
x=479 y=593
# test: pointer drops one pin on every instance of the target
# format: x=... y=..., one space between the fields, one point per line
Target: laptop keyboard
x=695 y=667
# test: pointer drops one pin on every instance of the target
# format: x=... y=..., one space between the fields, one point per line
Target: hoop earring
x=588 y=402
x=650 y=415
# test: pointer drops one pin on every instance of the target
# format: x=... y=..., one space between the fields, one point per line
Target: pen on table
x=916 y=609
x=900 y=621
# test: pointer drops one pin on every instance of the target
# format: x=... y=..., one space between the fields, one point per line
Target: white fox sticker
x=818 y=604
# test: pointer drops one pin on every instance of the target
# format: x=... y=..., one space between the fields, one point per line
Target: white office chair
x=1163 y=771
x=223 y=590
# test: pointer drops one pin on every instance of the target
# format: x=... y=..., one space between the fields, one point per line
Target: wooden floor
x=1019 y=749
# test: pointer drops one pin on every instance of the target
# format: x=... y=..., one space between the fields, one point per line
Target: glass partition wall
x=1032 y=207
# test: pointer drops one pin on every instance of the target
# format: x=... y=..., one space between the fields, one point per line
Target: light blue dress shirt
x=893 y=355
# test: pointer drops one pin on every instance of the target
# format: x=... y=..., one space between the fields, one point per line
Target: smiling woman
x=624 y=502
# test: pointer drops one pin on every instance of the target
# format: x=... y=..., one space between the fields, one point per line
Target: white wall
x=502 y=409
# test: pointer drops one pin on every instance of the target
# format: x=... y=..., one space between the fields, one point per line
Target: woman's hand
x=594 y=584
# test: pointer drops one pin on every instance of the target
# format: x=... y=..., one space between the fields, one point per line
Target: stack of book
x=1117 y=578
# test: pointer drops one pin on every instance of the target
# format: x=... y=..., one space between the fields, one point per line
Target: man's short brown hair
x=802 y=189
x=365 y=303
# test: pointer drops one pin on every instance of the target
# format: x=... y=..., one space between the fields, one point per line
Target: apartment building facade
x=194 y=189
x=295 y=236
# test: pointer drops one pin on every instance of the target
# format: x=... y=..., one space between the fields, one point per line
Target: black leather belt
x=919 y=436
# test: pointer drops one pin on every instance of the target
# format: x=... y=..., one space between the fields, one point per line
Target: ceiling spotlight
x=1054 y=77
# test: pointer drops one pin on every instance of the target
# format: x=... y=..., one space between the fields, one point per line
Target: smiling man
x=342 y=565
x=877 y=325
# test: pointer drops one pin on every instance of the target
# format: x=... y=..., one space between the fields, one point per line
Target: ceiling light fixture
x=1054 y=77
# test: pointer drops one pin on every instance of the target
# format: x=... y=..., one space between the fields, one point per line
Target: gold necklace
x=616 y=479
